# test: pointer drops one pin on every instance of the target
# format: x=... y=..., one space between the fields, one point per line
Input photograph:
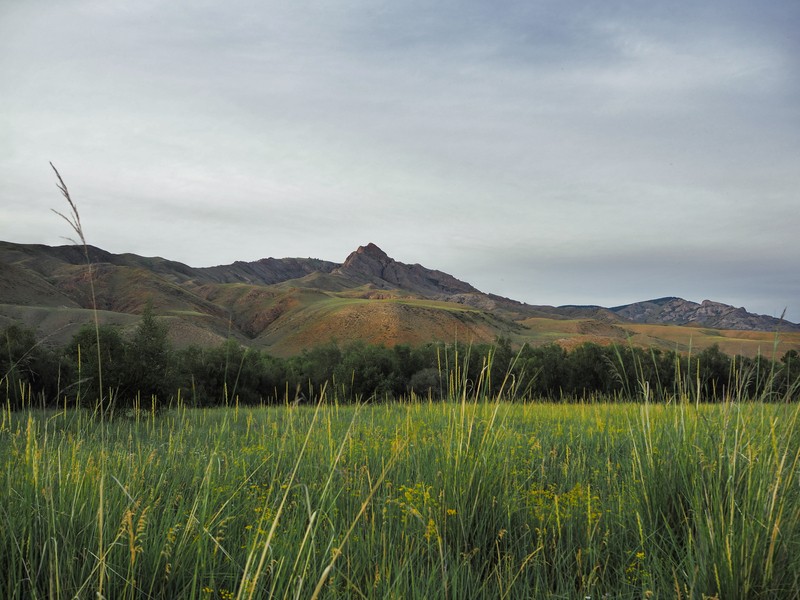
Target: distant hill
x=287 y=304
x=677 y=311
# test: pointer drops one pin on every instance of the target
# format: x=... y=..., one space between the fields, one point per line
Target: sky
x=597 y=152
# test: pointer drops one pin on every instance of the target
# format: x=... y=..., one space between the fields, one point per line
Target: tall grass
x=467 y=499
x=73 y=219
x=753 y=381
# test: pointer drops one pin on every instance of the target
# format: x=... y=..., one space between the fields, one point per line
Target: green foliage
x=150 y=369
x=231 y=374
x=16 y=362
x=29 y=372
x=144 y=371
x=789 y=375
x=372 y=371
x=714 y=371
x=545 y=370
x=83 y=367
x=426 y=383
x=133 y=371
x=428 y=500
x=588 y=371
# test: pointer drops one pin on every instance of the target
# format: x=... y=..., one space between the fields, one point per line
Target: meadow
x=467 y=498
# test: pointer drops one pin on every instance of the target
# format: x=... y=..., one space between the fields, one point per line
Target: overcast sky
x=553 y=152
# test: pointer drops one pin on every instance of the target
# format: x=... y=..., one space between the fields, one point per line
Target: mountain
x=677 y=311
x=371 y=265
x=266 y=271
x=285 y=305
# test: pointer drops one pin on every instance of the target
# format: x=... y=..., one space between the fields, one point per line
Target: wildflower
x=430 y=530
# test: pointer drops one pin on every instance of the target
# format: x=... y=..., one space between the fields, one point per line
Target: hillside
x=677 y=311
x=287 y=304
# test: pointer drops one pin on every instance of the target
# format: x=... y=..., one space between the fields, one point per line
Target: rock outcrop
x=370 y=264
x=677 y=311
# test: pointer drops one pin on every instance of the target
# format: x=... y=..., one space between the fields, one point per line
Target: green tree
x=544 y=367
x=715 y=373
x=83 y=370
x=790 y=374
x=502 y=361
x=588 y=371
x=150 y=365
x=18 y=358
x=426 y=382
x=371 y=371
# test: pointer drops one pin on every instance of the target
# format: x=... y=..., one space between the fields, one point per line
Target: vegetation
x=473 y=499
x=144 y=370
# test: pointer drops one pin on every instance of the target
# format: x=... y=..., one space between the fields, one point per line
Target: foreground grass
x=451 y=500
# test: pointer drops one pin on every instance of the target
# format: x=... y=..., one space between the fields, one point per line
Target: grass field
x=409 y=500
x=573 y=332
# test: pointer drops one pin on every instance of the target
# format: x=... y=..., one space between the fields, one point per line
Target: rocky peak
x=369 y=264
x=373 y=251
x=367 y=261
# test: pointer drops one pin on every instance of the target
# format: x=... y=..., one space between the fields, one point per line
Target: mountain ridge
x=287 y=304
x=672 y=310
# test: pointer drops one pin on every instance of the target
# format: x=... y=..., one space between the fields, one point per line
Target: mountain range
x=286 y=305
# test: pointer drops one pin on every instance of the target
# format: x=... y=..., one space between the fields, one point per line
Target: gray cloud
x=592 y=155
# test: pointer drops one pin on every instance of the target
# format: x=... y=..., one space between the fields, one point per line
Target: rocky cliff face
x=367 y=263
x=370 y=264
x=677 y=311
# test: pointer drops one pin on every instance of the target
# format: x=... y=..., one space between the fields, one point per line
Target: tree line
x=100 y=365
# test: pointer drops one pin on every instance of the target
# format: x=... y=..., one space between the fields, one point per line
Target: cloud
x=461 y=135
